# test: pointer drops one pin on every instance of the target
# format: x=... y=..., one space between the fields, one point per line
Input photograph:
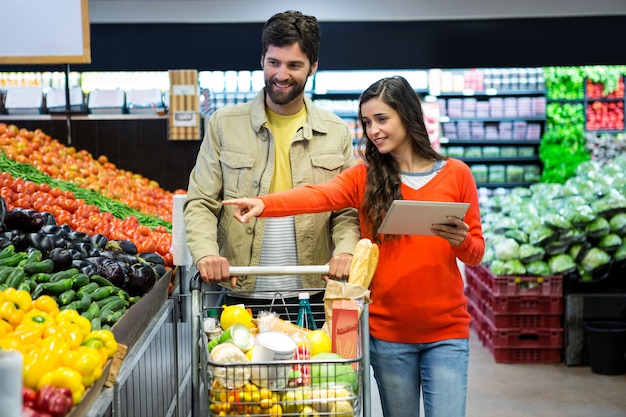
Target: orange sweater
x=417 y=291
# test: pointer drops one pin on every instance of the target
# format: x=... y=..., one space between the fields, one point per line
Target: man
x=275 y=142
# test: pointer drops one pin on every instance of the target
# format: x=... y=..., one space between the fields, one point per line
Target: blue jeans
x=439 y=368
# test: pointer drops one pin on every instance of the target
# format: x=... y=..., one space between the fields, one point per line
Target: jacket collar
x=314 y=122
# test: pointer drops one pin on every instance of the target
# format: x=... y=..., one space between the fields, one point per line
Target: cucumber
x=112 y=318
x=92 y=312
x=83 y=301
x=89 y=288
x=15 y=278
x=25 y=286
x=58 y=287
x=102 y=292
x=96 y=324
x=102 y=281
x=47 y=266
x=14 y=259
x=41 y=277
x=7 y=251
x=4 y=273
x=66 y=297
x=60 y=275
x=107 y=300
x=34 y=256
x=80 y=280
x=113 y=305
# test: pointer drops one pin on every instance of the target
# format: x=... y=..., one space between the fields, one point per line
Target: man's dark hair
x=292 y=26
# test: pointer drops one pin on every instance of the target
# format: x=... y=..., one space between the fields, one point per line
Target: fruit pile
x=314 y=381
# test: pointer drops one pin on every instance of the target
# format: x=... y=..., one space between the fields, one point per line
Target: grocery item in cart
x=269 y=347
x=230 y=376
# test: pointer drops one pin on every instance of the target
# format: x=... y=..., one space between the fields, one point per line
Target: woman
x=419 y=324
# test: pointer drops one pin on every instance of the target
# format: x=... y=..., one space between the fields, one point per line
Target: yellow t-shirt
x=283 y=129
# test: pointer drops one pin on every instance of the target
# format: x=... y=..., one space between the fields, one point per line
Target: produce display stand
x=154 y=377
x=204 y=370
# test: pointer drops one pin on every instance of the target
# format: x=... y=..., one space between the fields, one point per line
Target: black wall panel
x=363 y=45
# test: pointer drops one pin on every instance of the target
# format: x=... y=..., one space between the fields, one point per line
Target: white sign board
x=44 y=32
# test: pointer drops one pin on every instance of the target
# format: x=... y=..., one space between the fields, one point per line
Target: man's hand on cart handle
x=339 y=267
x=246 y=208
x=215 y=269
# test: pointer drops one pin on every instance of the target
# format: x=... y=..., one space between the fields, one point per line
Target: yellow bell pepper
x=66 y=378
x=102 y=339
x=72 y=316
x=70 y=332
x=45 y=303
x=37 y=318
x=43 y=359
x=5 y=328
x=27 y=336
x=9 y=343
x=10 y=313
x=20 y=298
x=87 y=361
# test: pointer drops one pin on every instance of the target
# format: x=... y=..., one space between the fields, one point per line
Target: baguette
x=371 y=268
x=364 y=262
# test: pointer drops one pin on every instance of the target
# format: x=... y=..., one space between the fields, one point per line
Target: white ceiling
x=250 y=11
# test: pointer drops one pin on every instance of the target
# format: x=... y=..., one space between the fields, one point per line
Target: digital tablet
x=411 y=217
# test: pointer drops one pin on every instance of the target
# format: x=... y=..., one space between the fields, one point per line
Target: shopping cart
x=339 y=387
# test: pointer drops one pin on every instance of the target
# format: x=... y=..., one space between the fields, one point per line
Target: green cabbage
x=594 y=258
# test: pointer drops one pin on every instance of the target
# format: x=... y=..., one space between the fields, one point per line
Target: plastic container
x=607 y=347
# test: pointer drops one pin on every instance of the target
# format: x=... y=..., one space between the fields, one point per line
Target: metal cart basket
x=336 y=388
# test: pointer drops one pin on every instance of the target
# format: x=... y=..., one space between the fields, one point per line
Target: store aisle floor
x=525 y=390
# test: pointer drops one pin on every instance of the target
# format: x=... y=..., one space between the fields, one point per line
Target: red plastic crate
x=508 y=304
x=519 y=338
x=524 y=355
x=517 y=345
x=514 y=284
x=508 y=320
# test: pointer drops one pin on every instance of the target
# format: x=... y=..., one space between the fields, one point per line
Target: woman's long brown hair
x=383 y=173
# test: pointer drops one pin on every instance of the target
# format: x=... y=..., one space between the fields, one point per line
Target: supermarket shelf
x=501 y=159
x=495 y=142
x=504 y=184
x=488 y=93
x=446 y=119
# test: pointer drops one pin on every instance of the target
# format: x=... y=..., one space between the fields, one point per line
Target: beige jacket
x=236 y=159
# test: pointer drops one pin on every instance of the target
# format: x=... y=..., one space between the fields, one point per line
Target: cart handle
x=268 y=270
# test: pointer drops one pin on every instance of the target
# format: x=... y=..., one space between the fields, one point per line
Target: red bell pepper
x=54 y=400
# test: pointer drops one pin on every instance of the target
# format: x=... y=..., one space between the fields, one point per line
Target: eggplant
x=159 y=269
x=78 y=237
x=26 y=220
x=114 y=271
x=76 y=254
x=17 y=238
x=61 y=257
x=85 y=267
x=56 y=229
x=100 y=240
x=152 y=258
x=120 y=256
x=48 y=218
x=45 y=242
x=88 y=249
x=141 y=279
x=4 y=242
x=3 y=210
x=125 y=246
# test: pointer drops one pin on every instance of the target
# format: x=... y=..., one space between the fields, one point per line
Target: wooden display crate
x=184 y=106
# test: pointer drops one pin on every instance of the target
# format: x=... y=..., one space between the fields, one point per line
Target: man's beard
x=282 y=98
